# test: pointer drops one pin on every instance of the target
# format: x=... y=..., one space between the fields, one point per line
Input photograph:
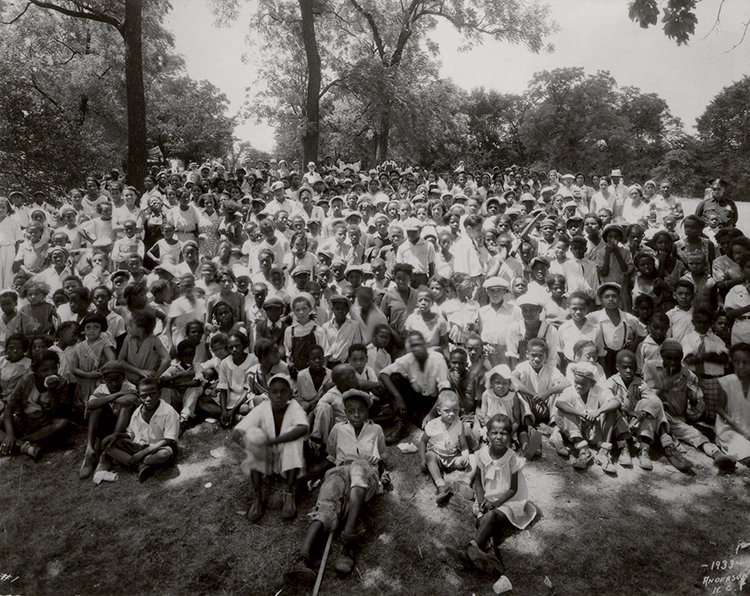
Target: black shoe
x=300 y=571
x=459 y=554
x=396 y=433
x=344 y=563
x=144 y=472
x=677 y=460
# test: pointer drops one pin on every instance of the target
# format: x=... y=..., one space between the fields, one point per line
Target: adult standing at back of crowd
x=620 y=191
x=665 y=204
x=725 y=208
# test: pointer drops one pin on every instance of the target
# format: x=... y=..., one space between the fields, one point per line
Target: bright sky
x=595 y=34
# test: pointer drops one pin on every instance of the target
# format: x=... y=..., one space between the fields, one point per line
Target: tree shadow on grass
x=638 y=533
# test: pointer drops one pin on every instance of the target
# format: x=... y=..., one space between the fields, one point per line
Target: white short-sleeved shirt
x=164 y=424
x=428 y=380
x=570 y=334
x=344 y=445
x=739 y=297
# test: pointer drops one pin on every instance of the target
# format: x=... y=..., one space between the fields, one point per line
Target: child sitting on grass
x=538 y=382
x=37 y=410
x=354 y=474
x=499 y=399
x=272 y=436
x=113 y=398
x=14 y=364
x=330 y=408
x=501 y=499
x=314 y=381
x=586 y=415
x=233 y=373
x=680 y=392
x=150 y=440
x=443 y=446
x=733 y=416
x=179 y=383
x=641 y=415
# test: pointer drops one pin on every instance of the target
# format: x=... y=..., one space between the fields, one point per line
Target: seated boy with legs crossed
x=114 y=398
x=355 y=473
x=443 y=447
x=681 y=395
x=150 y=440
x=272 y=435
x=539 y=383
x=641 y=416
x=586 y=415
x=501 y=499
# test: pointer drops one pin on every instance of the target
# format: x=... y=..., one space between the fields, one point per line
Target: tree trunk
x=311 y=136
x=384 y=133
x=135 y=94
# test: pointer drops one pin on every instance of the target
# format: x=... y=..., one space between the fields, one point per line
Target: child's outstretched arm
x=422 y=447
x=294 y=433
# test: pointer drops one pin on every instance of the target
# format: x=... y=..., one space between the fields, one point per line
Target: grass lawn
x=183 y=532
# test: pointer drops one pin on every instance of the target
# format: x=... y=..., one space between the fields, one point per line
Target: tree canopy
x=63 y=99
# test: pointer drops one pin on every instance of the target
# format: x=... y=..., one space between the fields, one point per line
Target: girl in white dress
x=733 y=420
x=501 y=498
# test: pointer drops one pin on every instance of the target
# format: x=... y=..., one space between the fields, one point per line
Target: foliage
x=63 y=97
x=724 y=130
x=679 y=17
x=186 y=119
x=364 y=46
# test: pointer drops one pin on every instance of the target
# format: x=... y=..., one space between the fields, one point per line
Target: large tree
x=724 y=131
x=569 y=113
x=127 y=19
x=363 y=45
x=187 y=119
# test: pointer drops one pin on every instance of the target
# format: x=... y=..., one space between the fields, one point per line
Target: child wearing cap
x=417 y=252
x=112 y=398
x=272 y=435
x=616 y=262
x=680 y=392
x=443 y=446
x=354 y=474
x=150 y=439
x=494 y=319
x=585 y=414
x=530 y=327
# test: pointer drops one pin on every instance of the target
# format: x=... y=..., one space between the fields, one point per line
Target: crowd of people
x=321 y=314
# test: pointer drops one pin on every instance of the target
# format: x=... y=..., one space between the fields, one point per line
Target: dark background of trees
x=63 y=97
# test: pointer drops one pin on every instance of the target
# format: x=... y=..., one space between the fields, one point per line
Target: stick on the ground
x=323 y=560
